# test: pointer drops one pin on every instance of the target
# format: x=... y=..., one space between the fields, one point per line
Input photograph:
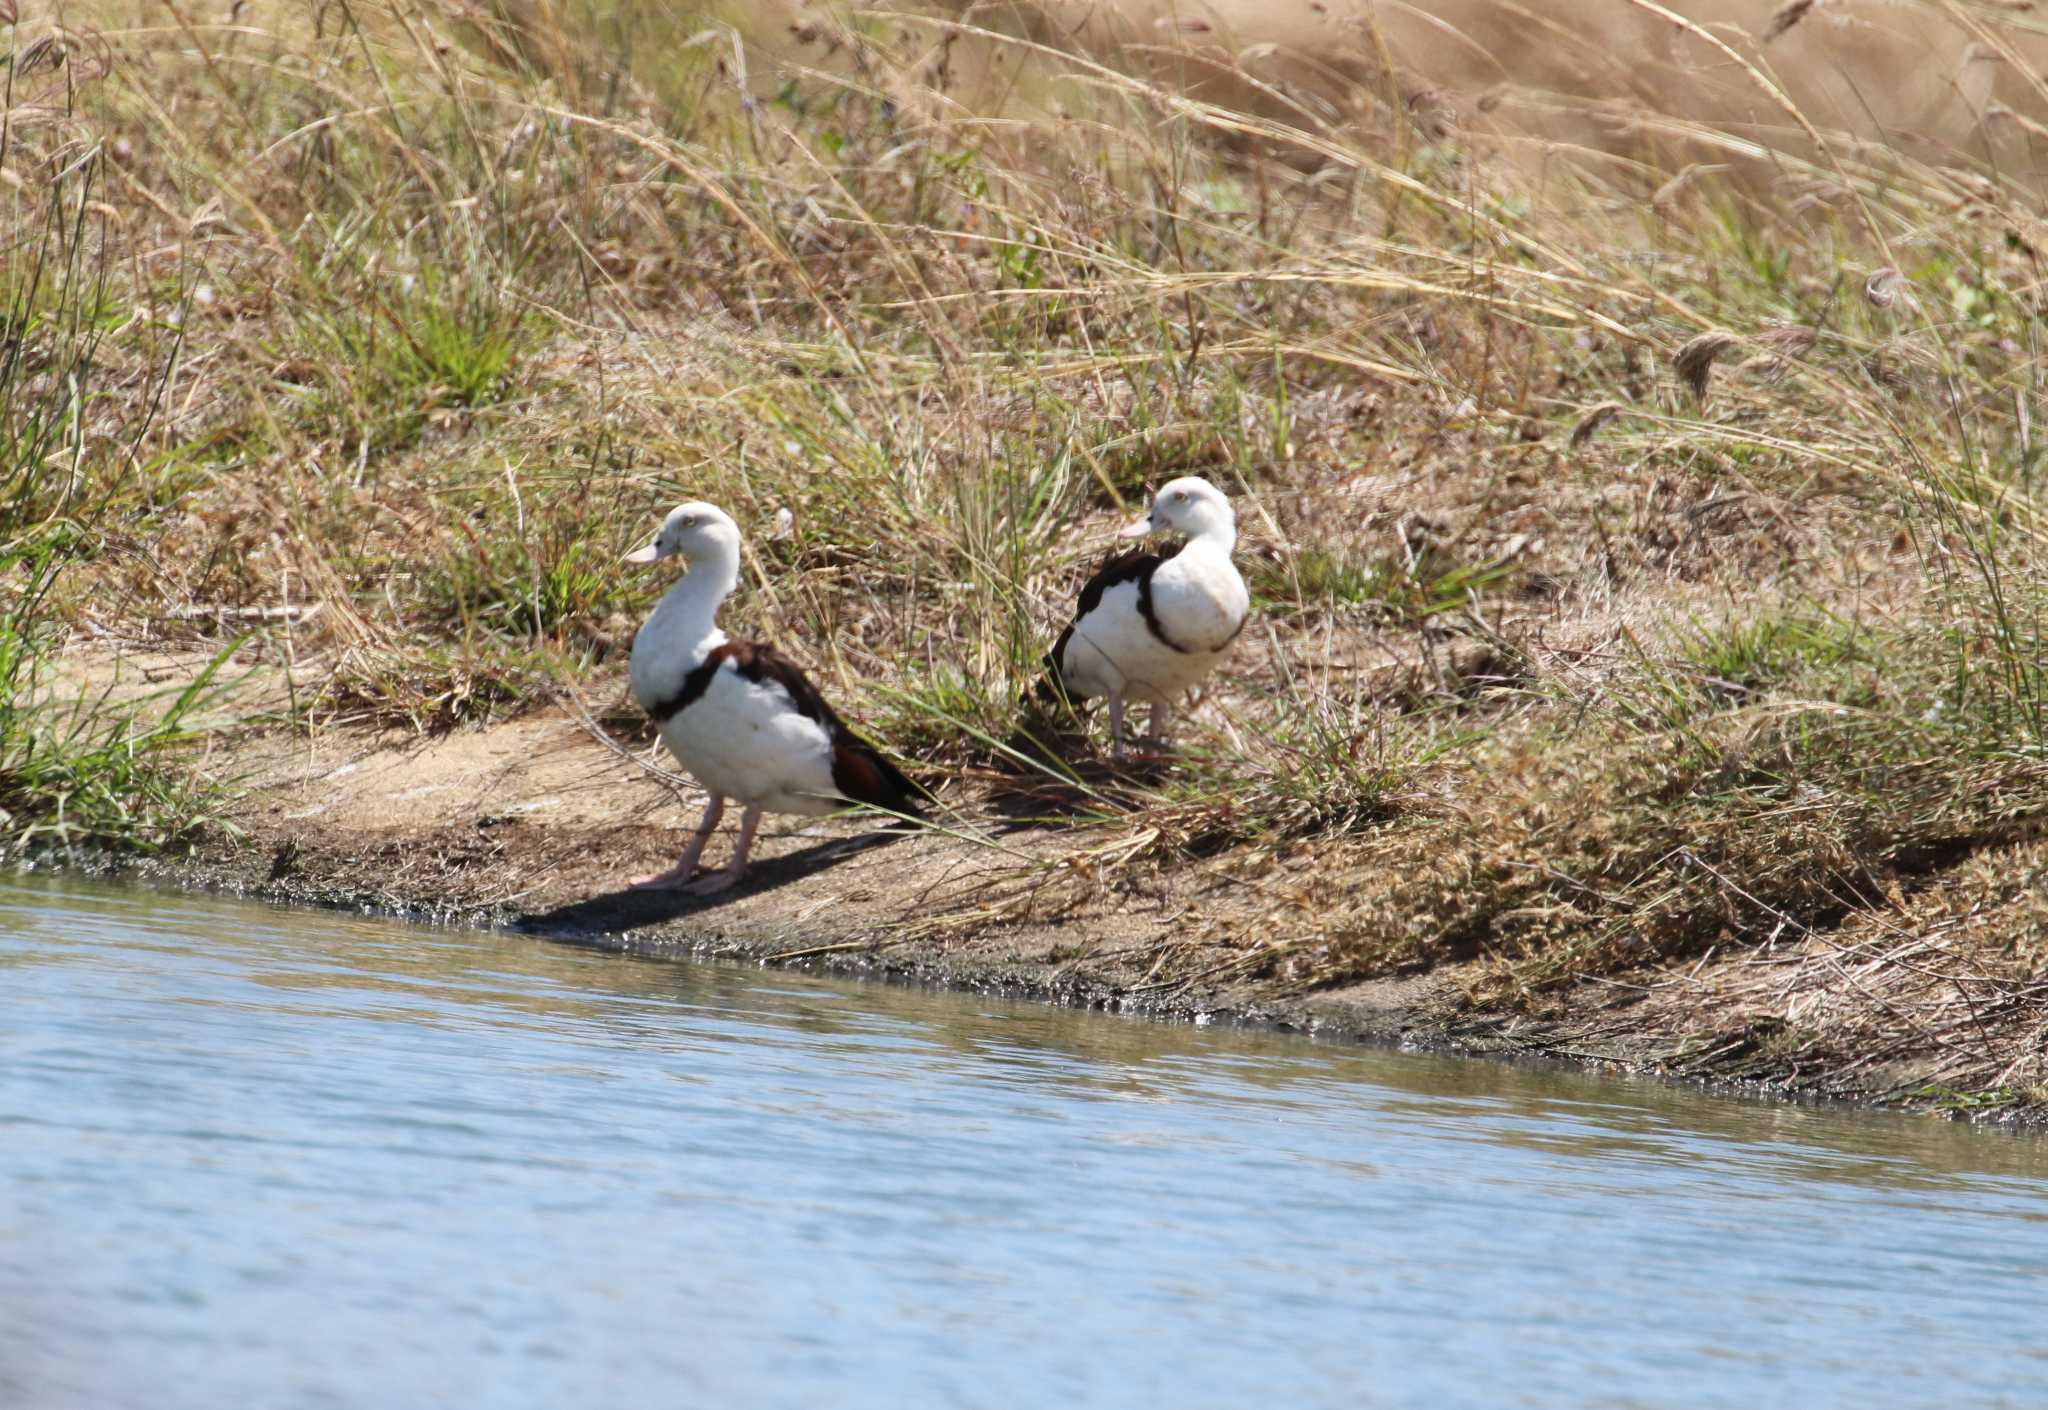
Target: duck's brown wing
x=860 y=771
x=1133 y=565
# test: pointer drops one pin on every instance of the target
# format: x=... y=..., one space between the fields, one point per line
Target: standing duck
x=739 y=715
x=1150 y=626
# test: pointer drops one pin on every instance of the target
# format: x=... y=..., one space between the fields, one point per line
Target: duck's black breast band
x=1151 y=613
x=693 y=687
x=1151 y=616
x=1135 y=565
x=755 y=661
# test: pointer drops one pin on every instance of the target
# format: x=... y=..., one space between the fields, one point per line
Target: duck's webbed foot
x=711 y=883
x=665 y=880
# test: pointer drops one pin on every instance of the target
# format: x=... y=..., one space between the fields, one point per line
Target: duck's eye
x=1181 y=496
x=689 y=521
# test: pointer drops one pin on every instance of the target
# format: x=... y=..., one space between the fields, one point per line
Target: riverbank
x=535 y=824
x=1642 y=516
x=534 y=828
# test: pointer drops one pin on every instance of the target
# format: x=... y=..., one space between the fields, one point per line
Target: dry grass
x=1644 y=525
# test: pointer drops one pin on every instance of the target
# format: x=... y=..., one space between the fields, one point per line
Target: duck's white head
x=695 y=530
x=1189 y=505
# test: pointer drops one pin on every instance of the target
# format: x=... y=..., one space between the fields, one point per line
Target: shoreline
x=1339 y=1018
x=426 y=830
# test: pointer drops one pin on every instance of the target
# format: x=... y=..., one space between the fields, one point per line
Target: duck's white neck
x=1218 y=536
x=688 y=611
x=684 y=628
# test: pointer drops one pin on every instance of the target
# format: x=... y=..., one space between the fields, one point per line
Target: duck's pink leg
x=720 y=880
x=686 y=867
x=1155 y=730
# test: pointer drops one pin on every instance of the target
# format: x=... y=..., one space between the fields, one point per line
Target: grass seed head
x=1786 y=16
x=1883 y=287
x=1694 y=360
x=1590 y=424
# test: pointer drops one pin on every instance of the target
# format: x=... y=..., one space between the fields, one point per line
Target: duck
x=1151 y=626
x=740 y=716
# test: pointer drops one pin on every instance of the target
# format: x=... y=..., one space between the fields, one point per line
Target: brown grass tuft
x=1782 y=347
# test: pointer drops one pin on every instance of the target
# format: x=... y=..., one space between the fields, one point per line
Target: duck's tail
x=1051 y=691
x=863 y=773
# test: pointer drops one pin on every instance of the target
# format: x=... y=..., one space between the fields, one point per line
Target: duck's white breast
x=1114 y=649
x=747 y=740
x=1200 y=600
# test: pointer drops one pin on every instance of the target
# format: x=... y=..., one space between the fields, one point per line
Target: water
x=264 y=1158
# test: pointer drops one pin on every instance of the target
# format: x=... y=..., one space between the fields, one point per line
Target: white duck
x=739 y=715
x=1151 y=626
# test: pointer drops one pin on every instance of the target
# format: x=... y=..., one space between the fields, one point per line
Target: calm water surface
x=261 y=1158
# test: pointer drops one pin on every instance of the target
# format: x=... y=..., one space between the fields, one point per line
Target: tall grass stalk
x=76 y=769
